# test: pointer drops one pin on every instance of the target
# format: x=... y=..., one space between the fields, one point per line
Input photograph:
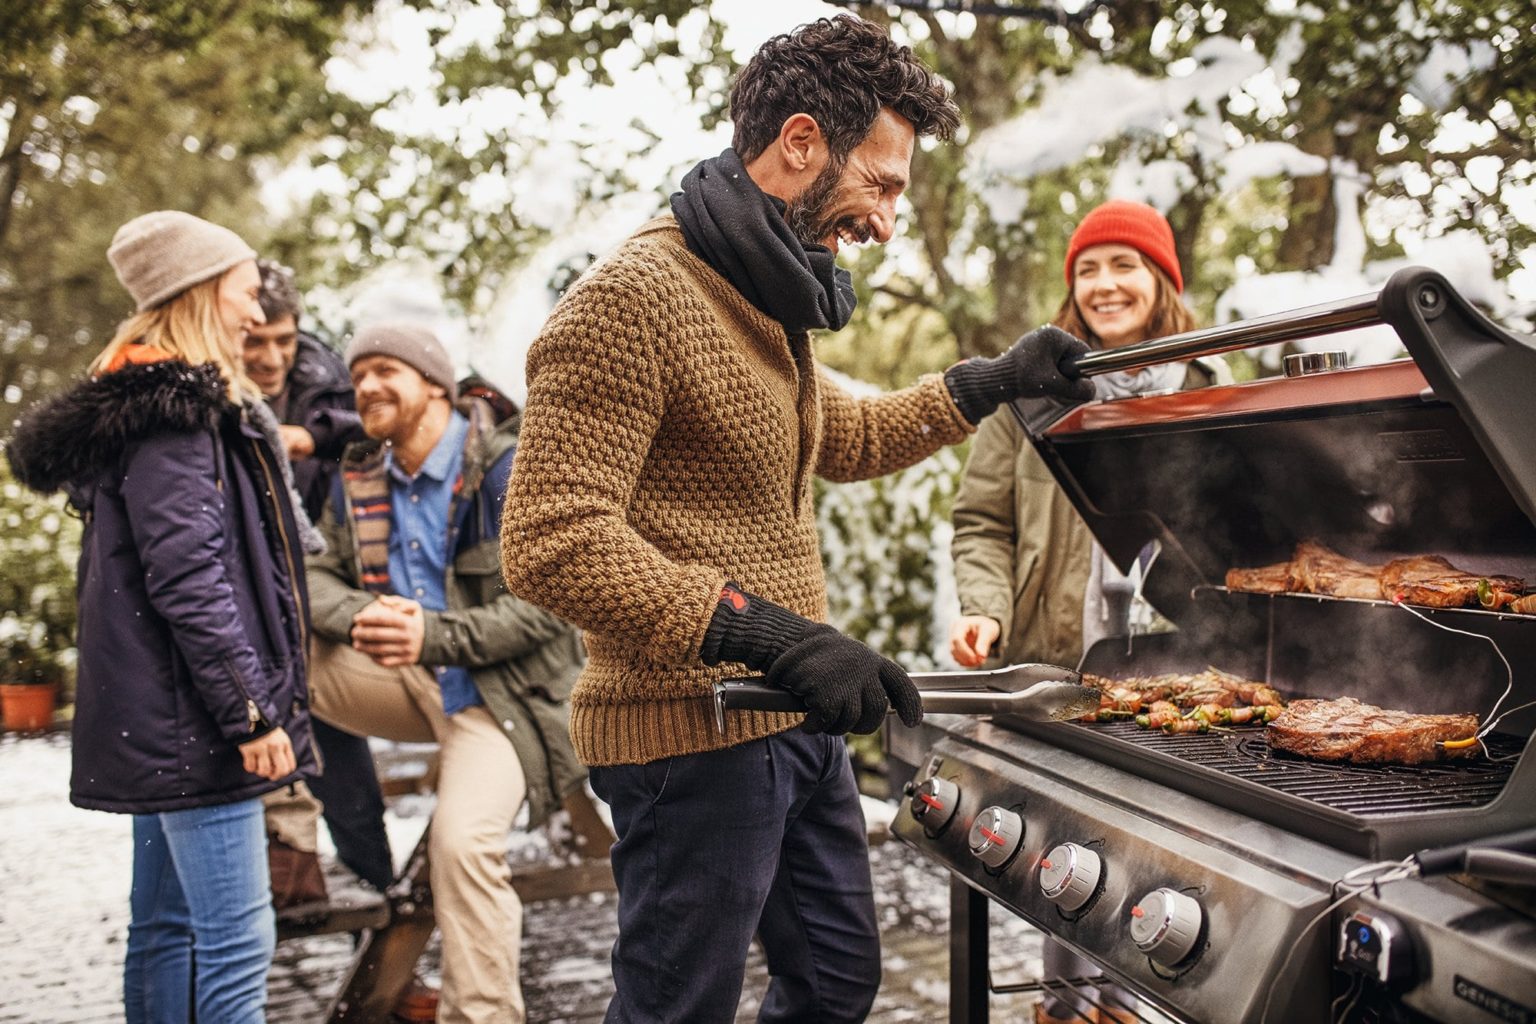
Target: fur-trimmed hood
x=75 y=434
x=63 y=441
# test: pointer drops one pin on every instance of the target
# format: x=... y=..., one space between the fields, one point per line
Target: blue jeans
x=766 y=837
x=201 y=908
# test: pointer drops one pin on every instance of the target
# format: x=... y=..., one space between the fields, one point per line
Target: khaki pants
x=293 y=815
x=479 y=790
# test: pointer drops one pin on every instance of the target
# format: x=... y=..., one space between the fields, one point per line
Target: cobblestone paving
x=64 y=904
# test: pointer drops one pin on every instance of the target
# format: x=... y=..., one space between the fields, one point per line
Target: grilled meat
x=1184 y=702
x=1266 y=579
x=1347 y=730
x=1432 y=581
x=1427 y=580
x=1317 y=570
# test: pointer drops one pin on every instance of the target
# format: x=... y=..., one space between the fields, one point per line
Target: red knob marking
x=931 y=801
x=1136 y=911
x=991 y=836
x=1046 y=864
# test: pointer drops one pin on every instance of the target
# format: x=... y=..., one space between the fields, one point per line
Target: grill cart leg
x=968 y=954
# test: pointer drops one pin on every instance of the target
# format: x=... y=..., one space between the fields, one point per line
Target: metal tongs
x=1038 y=692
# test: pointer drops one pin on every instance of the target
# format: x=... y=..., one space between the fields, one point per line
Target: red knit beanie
x=1134 y=224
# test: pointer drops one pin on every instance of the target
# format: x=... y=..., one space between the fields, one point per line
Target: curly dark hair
x=841 y=71
x=279 y=295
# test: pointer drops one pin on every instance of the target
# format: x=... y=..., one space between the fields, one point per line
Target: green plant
x=39 y=546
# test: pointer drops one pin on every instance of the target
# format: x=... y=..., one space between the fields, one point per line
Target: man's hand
x=299 y=442
x=971 y=639
x=390 y=631
x=1032 y=368
x=846 y=686
x=270 y=756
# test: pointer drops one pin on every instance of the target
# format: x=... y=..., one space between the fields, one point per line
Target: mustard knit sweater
x=668 y=445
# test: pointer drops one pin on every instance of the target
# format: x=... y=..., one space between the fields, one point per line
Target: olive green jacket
x=1021 y=551
x=523 y=659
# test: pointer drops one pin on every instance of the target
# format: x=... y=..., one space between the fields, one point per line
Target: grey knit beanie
x=160 y=255
x=411 y=344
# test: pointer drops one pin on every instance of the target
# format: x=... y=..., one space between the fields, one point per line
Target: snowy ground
x=63 y=920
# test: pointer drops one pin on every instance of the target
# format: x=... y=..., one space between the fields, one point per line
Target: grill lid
x=1371 y=462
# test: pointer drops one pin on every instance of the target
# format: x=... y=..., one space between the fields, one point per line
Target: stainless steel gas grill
x=1216 y=878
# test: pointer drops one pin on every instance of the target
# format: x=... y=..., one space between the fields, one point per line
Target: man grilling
x=661 y=499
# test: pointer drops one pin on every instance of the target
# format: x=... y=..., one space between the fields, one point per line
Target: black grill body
x=1431 y=456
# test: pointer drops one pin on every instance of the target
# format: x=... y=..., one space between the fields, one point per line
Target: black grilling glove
x=846 y=686
x=1030 y=369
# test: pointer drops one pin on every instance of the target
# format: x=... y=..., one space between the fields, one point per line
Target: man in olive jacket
x=418 y=640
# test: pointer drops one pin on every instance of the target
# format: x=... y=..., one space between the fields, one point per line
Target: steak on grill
x=1427 y=580
x=1266 y=579
x=1347 y=730
x=1432 y=581
x=1317 y=570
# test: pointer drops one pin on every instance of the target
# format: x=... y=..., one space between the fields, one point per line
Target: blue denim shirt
x=418 y=543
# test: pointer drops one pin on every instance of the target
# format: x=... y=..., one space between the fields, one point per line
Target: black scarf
x=740 y=231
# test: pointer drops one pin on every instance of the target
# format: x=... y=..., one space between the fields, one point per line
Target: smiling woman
x=192 y=699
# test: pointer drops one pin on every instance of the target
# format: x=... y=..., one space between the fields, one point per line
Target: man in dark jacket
x=307 y=388
x=306 y=385
x=416 y=639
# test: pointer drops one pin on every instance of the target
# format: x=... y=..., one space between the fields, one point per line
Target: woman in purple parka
x=191 y=699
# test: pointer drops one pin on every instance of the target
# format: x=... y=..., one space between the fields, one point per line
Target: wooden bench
x=394 y=927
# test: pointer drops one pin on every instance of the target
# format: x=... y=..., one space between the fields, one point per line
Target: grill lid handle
x=1308 y=322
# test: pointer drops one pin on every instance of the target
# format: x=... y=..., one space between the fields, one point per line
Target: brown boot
x=297 y=880
x=417 y=1004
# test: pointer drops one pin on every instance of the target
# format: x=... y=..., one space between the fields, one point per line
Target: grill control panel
x=1069 y=875
x=996 y=835
x=1186 y=922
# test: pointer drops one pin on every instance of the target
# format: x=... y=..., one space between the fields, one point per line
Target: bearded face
x=818 y=215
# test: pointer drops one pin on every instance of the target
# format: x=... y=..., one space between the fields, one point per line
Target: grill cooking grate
x=1363 y=790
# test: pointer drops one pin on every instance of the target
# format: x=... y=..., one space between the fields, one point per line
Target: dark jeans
x=354 y=806
x=765 y=837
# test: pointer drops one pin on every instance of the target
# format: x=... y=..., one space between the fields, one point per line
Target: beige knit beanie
x=160 y=255
x=413 y=345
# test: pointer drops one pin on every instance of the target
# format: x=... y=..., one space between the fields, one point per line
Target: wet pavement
x=64 y=909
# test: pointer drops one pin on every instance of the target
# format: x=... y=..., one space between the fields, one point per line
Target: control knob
x=1165 y=925
x=934 y=802
x=1069 y=874
x=995 y=836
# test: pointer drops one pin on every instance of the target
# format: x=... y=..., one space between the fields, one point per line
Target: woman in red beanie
x=1033 y=586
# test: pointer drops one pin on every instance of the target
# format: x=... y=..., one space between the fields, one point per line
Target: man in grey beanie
x=416 y=639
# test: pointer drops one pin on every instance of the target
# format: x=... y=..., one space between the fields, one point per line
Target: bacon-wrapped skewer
x=1159 y=714
x=1256 y=715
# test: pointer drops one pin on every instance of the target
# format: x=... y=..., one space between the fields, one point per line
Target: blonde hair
x=1169 y=314
x=187 y=327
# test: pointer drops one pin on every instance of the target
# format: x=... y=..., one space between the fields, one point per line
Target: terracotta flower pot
x=27 y=707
